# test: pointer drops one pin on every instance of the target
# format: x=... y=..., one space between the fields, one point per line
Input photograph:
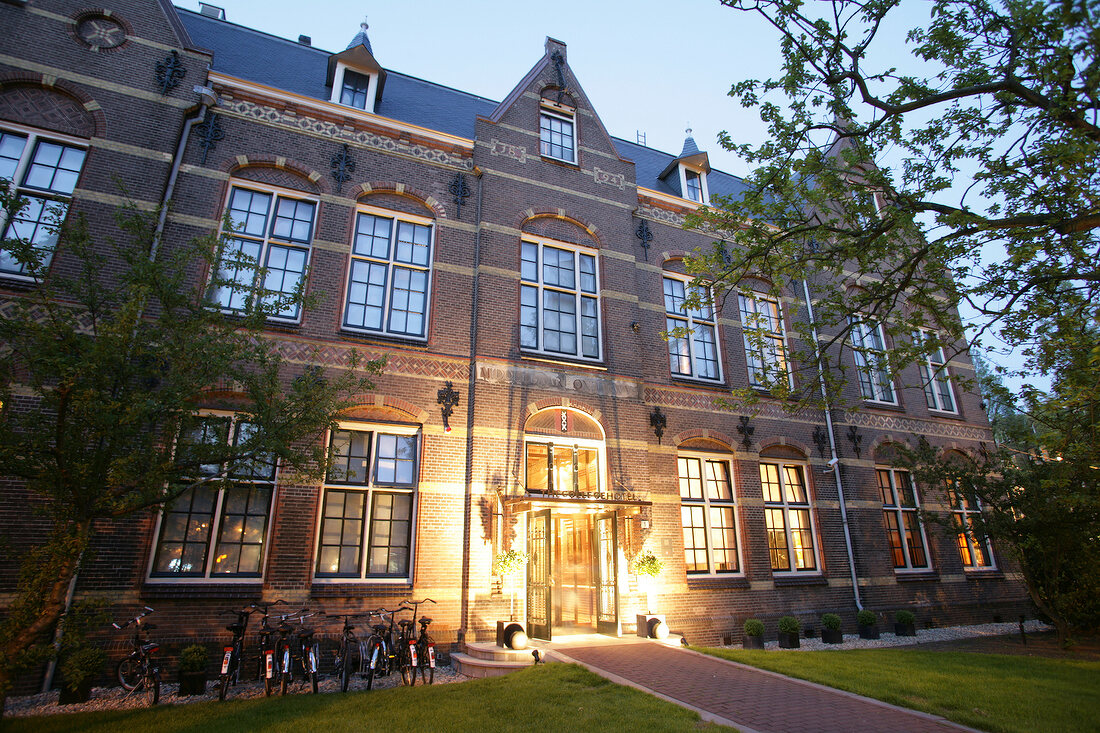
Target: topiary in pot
x=830 y=632
x=80 y=668
x=905 y=623
x=754 y=634
x=193 y=661
x=788 y=632
x=867 y=628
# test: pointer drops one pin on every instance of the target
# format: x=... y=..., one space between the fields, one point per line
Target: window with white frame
x=975 y=550
x=556 y=136
x=694 y=184
x=558 y=467
x=933 y=372
x=708 y=515
x=869 y=348
x=266 y=252
x=355 y=89
x=43 y=170
x=390 y=274
x=765 y=341
x=559 y=300
x=901 y=512
x=218 y=529
x=696 y=353
x=787 y=516
x=369 y=504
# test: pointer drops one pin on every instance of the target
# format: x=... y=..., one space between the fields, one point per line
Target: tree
x=861 y=178
x=1041 y=501
x=102 y=374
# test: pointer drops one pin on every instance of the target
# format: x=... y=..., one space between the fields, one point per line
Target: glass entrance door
x=538 y=575
x=607 y=587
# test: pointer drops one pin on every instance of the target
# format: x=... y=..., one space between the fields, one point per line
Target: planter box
x=905 y=629
x=752 y=642
x=788 y=640
x=868 y=632
x=831 y=636
x=192 y=684
x=80 y=694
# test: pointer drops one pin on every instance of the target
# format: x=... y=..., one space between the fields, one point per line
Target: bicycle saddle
x=379 y=628
x=148 y=627
x=235 y=628
x=303 y=631
x=425 y=620
x=404 y=622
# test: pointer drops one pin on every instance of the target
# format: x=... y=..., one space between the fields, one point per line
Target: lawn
x=994 y=692
x=544 y=698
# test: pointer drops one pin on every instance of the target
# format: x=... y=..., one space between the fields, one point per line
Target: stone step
x=490 y=651
x=475 y=667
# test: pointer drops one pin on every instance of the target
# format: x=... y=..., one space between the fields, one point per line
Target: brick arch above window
x=703 y=440
x=552 y=92
x=558 y=225
x=885 y=449
x=278 y=172
x=30 y=101
x=552 y=402
x=385 y=408
x=427 y=204
x=783 y=449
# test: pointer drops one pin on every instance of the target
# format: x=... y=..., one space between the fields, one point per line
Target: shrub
x=906 y=618
x=831 y=621
x=789 y=625
x=509 y=562
x=193 y=659
x=646 y=563
x=81 y=665
x=866 y=618
x=754 y=627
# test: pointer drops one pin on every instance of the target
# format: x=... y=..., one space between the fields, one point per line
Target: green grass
x=994 y=692
x=544 y=698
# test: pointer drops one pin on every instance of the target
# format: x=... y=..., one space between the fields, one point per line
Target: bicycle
x=233 y=655
x=296 y=646
x=405 y=650
x=424 y=658
x=267 y=668
x=137 y=671
x=349 y=646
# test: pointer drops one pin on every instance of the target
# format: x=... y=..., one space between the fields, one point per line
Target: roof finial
x=687 y=130
x=364 y=25
x=361 y=38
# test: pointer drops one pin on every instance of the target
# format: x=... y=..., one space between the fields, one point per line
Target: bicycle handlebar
x=136 y=619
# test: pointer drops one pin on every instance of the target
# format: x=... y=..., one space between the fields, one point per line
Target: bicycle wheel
x=345 y=667
x=128 y=673
x=311 y=667
x=375 y=656
x=426 y=658
x=284 y=671
x=408 y=671
x=223 y=687
x=154 y=681
x=267 y=662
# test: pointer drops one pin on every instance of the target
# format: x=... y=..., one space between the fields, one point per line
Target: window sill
x=375 y=336
x=916 y=576
x=793 y=581
x=155 y=588
x=686 y=381
x=983 y=573
x=563 y=361
x=715 y=582
x=559 y=161
x=888 y=406
x=373 y=588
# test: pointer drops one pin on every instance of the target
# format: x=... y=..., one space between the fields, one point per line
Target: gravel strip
x=115 y=698
x=924 y=636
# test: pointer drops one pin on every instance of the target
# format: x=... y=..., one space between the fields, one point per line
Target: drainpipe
x=834 y=459
x=209 y=99
x=471 y=388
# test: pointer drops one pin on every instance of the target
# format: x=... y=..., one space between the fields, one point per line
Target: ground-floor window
x=901 y=513
x=788 y=519
x=368 y=504
x=708 y=515
x=974 y=547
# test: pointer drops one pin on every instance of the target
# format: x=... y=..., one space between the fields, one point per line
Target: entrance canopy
x=590 y=502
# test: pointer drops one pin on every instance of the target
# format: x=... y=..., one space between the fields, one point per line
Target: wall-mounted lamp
x=448 y=398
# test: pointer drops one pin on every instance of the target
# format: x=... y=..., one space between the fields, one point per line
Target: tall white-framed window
x=938 y=394
x=787 y=516
x=217 y=530
x=695 y=354
x=975 y=549
x=901 y=513
x=557 y=135
x=708 y=515
x=765 y=340
x=869 y=349
x=369 y=503
x=266 y=252
x=694 y=184
x=389 y=275
x=43 y=168
x=559 y=300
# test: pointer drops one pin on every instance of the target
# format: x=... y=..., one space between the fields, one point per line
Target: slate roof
x=250 y=54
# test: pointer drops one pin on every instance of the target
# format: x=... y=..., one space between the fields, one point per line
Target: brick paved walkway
x=748 y=698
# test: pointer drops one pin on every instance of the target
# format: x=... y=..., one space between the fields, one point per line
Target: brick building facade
x=516 y=256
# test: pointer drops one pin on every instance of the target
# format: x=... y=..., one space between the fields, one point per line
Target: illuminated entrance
x=572 y=526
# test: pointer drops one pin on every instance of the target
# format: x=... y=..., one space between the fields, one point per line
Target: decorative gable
x=355 y=76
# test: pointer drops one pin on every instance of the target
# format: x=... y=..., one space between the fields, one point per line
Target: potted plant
x=510 y=633
x=788 y=632
x=80 y=669
x=754 y=634
x=867 y=624
x=647 y=566
x=830 y=629
x=193 y=661
x=905 y=623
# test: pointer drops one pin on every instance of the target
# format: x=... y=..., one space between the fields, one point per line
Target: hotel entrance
x=571 y=573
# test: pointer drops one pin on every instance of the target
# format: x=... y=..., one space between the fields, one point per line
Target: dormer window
x=693 y=185
x=356 y=89
x=556 y=136
x=686 y=174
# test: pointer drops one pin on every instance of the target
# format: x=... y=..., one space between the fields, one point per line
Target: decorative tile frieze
x=662 y=215
x=913 y=426
x=331 y=130
x=508 y=150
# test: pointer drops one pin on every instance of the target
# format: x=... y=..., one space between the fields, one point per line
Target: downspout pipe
x=834 y=459
x=471 y=391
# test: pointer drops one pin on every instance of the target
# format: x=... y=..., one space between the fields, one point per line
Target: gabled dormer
x=355 y=76
x=687 y=173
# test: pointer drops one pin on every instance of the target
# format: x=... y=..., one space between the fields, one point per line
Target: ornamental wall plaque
x=99 y=32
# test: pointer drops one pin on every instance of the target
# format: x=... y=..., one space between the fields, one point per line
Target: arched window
x=564 y=453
